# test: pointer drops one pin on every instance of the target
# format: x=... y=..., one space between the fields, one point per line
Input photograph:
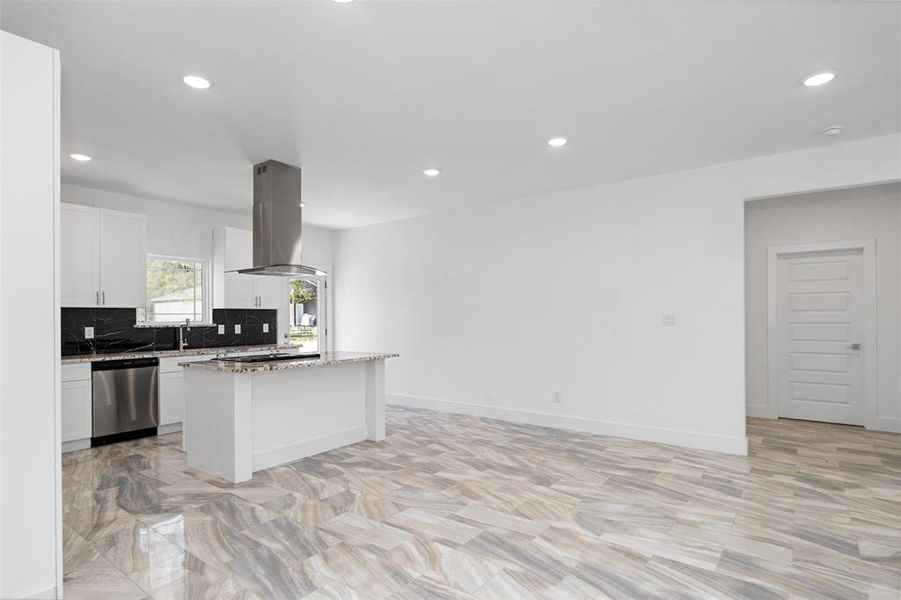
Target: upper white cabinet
x=238 y=291
x=80 y=254
x=103 y=257
x=233 y=250
x=271 y=292
x=237 y=248
x=123 y=259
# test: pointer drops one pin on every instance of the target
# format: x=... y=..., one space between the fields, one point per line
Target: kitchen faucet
x=181 y=335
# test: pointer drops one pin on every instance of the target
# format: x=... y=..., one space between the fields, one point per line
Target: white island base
x=244 y=418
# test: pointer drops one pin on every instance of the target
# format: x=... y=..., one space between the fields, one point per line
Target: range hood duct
x=277 y=221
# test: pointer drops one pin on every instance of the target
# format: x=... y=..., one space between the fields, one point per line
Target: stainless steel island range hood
x=277 y=221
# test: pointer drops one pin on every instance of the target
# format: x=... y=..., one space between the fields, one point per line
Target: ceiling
x=365 y=95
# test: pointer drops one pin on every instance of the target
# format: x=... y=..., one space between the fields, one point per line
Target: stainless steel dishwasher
x=125 y=399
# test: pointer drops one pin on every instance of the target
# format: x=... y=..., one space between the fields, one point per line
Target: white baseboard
x=279 y=456
x=675 y=437
x=886 y=424
x=76 y=445
x=170 y=428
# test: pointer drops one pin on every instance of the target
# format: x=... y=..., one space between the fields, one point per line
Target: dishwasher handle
x=128 y=363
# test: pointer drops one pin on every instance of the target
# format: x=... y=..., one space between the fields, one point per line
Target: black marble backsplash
x=115 y=331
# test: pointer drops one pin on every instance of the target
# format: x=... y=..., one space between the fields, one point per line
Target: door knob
x=855 y=346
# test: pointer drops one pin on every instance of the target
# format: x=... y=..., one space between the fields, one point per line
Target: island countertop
x=326 y=358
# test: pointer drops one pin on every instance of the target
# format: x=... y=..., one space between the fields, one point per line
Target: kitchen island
x=242 y=417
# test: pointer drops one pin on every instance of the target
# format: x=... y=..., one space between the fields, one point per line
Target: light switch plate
x=220 y=329
x=265 y=327
x=89 y=333
x=237 y=329
x=668 y=319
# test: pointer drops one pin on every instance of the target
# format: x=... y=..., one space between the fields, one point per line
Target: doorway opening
x=823 y=322
x=306 y=313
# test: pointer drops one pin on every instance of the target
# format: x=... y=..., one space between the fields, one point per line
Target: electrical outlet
x=237 y=329
x=89 y=333
x=265 y=327
x=220 y=329
x=558 y=397
x=668 y=319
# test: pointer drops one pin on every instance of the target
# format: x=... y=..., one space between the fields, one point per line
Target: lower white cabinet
x=172 y=397
x=76 y=410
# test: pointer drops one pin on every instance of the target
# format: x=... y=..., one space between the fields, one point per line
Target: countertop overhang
x=83 y=358
x=327 y=358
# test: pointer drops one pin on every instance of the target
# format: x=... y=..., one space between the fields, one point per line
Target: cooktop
x=255 y=358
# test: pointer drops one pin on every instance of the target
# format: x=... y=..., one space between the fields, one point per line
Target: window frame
x=206 y=286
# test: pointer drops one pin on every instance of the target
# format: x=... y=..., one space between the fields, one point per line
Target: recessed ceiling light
x=820 y=78
x=431 y=172
x=556 y=142
x=344 y=1
x=197 y=82
x=834 y=130
x=80 y=157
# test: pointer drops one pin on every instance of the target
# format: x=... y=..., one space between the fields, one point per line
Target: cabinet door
x=76 y=410
x=79 y=255
x=240 y=291
x=238 y=249
x=172 y=397
x=123 y=260
x=272 y=291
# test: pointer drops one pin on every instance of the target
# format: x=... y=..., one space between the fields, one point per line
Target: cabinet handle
x=97 y=297
x=103 y=296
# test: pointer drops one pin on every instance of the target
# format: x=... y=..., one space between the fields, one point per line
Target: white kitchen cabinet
x=271 y=292
x=76 y=410
x=238 y=247
x=252 y=291
x=239 y=291
x=172 y=397
x=80 y=254
x=76 y=415
x=232 y=251
x=123 y=259
x=103 y=257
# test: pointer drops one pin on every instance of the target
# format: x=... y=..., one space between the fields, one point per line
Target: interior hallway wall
x=455 y=293
x=872 y=212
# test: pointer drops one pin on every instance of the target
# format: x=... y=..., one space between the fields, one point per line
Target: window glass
x=303 y=313
x=175 y=289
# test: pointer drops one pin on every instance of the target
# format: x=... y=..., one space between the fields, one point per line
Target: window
x=306 y=312
x=176 y=289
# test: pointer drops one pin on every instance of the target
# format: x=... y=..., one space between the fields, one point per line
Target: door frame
x=871 y=382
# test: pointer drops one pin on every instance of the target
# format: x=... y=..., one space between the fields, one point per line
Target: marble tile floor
x=452 y=506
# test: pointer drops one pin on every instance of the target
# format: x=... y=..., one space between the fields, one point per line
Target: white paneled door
x=820 y=324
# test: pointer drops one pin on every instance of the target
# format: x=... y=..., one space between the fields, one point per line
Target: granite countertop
x=83 y=358
x=327 y=358
x=171 y=325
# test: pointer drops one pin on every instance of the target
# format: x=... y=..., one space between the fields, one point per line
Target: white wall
x=29 y=336
x=456 y=294
x=183 y=230
x=872 y=212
